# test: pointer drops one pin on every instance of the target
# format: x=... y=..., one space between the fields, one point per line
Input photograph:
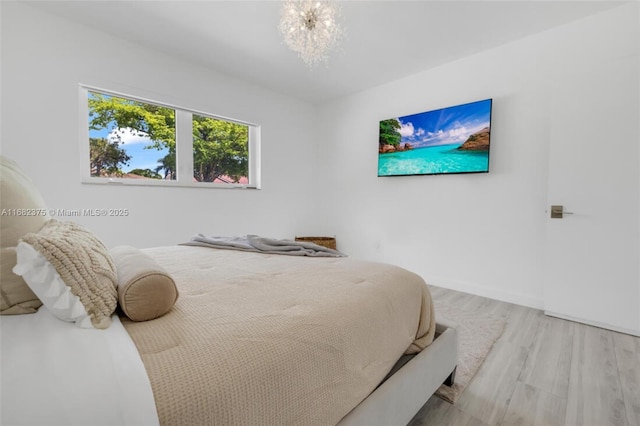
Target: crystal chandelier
x=310 y=28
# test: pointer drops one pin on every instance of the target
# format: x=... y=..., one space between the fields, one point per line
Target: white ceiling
x=384 y=41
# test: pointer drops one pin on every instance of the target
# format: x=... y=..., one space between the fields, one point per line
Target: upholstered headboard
x=23 y=210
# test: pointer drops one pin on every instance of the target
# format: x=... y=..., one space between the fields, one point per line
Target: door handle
x=558 y=212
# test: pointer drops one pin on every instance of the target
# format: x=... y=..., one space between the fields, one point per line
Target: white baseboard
x=491 y=293
x=594 y=323
x=520 y=299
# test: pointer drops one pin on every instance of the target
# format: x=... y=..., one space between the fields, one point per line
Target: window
x=134 y=141
x=220 y=150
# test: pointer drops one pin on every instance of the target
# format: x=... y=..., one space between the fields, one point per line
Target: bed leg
x=452 y=377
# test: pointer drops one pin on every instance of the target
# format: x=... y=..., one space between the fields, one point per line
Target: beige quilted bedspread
x=259 y=339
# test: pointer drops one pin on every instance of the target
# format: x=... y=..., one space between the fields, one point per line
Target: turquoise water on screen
x=432 y=160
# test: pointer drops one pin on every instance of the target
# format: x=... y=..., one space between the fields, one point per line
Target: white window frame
x=184 y=147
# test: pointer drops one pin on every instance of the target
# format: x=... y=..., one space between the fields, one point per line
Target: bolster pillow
x=145 y=290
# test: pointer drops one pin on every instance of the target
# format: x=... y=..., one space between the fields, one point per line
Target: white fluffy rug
x=476 y=335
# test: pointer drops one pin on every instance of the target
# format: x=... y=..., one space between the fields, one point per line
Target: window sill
x=164 y=183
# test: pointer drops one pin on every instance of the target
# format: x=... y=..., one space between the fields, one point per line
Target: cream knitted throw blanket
x=84 y=264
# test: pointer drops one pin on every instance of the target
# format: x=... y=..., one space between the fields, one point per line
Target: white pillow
x=71 y=272
x=46 y=283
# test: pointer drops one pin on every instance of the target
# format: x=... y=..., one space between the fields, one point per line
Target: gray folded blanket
x=258 y=244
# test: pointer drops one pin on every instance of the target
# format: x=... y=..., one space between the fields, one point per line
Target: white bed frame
x=401 y=396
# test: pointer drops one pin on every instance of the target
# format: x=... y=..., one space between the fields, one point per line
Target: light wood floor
x=544 y=371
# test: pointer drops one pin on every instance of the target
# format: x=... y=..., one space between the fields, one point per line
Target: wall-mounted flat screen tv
x=455 y=139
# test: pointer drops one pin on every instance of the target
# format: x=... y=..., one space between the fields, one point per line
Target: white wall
x=44 y=59
x=481 y=233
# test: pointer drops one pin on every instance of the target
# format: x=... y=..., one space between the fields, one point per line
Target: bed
x=247 y=338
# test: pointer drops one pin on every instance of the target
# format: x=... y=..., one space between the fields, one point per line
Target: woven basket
x=329 y=242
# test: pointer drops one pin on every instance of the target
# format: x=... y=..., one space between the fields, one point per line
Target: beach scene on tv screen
x=448 y=140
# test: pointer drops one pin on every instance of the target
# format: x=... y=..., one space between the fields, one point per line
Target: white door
x=592 y=257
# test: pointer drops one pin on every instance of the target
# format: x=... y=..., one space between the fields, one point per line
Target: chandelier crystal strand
x=310 y=28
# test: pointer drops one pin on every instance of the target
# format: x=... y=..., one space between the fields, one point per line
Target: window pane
x=131 y=139
x=220 y=151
